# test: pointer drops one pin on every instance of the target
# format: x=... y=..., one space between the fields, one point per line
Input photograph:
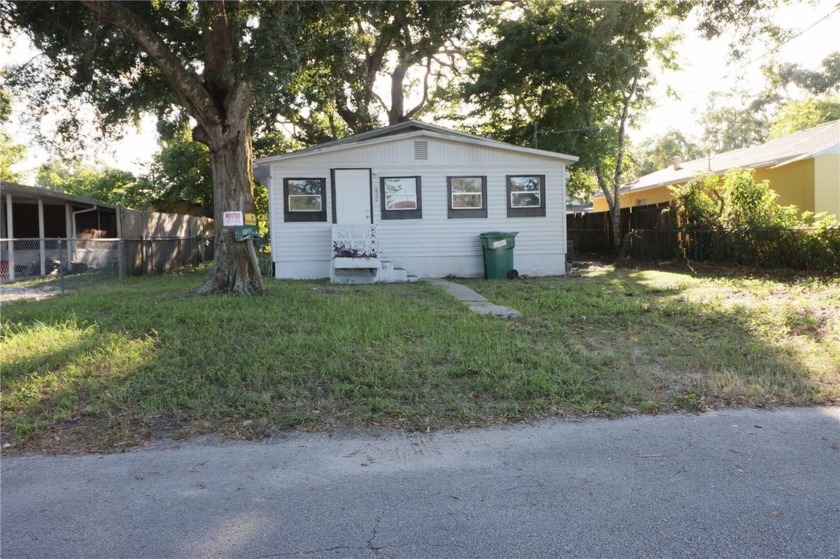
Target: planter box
x=356 y=263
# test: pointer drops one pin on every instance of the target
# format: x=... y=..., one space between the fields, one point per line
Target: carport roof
x=35 y=193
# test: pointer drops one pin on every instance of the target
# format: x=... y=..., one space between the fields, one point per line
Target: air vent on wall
x=421 y=150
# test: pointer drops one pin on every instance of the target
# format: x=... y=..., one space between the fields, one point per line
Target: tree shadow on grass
x=73 y=376
x=743 y=340
x=146 y=357
x=654 y=341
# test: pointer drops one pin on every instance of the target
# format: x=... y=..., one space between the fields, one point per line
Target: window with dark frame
x=305 y=199
x=401 y=198
x=467 y=196
x=526 y=195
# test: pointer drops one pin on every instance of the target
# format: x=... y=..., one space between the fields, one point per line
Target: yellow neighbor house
x=803 y=168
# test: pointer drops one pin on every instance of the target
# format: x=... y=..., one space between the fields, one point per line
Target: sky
x=703 y=70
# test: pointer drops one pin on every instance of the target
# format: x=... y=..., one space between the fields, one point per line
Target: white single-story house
x=412 y=199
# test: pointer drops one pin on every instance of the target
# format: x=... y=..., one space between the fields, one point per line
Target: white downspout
x=93 y=209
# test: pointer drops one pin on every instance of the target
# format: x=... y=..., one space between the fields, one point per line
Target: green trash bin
x=498 y=255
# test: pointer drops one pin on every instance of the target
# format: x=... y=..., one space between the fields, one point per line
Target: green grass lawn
x=120 y=363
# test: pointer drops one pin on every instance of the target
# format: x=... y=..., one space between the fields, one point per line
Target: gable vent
x=421 y=150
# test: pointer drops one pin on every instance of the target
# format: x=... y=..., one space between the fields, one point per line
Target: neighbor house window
x=526 y=195
x=467 y=196
x=401 y=198
x=305 y=199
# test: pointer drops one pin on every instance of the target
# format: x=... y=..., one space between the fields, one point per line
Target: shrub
x=747 y=225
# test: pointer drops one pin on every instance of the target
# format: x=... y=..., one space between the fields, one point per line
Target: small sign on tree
x=245 y=232
x=232 y=219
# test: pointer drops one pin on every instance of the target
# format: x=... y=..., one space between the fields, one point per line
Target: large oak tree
x=232 y=66
x=178 y=59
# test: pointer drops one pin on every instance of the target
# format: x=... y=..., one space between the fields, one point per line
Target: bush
x=734 y=218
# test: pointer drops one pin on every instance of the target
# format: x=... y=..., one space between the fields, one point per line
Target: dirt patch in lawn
x=12 y=294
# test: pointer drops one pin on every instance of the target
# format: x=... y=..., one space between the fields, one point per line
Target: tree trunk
x=615 y=217
x=221 y=106
x=614 y=203
x=233 y=271
x=397 y=111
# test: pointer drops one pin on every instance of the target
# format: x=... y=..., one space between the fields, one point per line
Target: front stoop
x=359 y=262
x=368 y=270
x=354 y=270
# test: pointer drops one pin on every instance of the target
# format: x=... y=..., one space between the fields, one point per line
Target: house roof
x=22 y=192
x=404 y=129
x=775 y=153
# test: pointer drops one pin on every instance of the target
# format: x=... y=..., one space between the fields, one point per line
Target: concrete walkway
x=725 y=484
x=476 y=302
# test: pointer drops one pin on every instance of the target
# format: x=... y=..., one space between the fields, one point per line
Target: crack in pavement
x=309 y=552
x=370 y=545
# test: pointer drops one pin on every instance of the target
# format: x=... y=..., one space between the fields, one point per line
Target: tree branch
x=451 y=65
x=625 y=111
x=375 y=60
x=195 y=97
x=218 y=47
x=425 y=97
x=380 y=100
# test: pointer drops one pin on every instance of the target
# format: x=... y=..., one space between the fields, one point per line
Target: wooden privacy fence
x=651 y=234
x=592 y=232
x=164 y=255
x=137 y=224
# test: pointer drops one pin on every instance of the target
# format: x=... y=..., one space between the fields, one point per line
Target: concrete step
x=369 y=270
x=389 y=273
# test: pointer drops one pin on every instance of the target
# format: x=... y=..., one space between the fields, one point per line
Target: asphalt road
x=741 y=483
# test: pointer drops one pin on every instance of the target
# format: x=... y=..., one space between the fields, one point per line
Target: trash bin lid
x=492 y=234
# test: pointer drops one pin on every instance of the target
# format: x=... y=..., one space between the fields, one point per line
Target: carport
x=46 y=216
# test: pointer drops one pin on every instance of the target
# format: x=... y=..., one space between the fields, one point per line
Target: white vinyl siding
x=435 y=245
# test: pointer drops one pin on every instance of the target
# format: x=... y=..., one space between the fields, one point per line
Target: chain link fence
x=24 y=259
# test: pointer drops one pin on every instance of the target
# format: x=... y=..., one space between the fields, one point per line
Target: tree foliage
x=737 y=216
x=794 y=97
x=781 y=77
x=349 y=48
x=807 y=113
x=568 y=77
x=743 y=23
x=657 y=152
x=10 y=152
x=732 y=202
x=202 y=60
x=111 y=186
x=180 y=173
x=732 y=121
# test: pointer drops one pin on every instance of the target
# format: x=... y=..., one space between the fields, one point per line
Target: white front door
x=352 y=196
